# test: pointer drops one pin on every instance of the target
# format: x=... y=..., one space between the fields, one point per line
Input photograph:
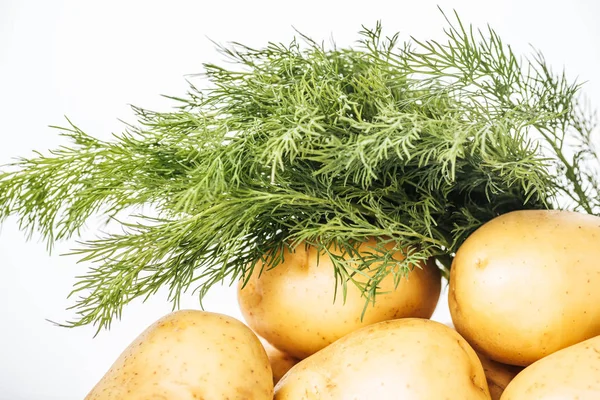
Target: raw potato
x=408 y=359
x=525 y=285
x=497 y=375
x=570 y=373
x=292 y=304
x=280 y=361
x=190 y=355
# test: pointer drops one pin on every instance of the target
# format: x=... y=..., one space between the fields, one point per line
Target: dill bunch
x=415 y=143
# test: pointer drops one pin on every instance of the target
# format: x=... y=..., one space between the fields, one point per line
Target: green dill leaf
x=416 y=144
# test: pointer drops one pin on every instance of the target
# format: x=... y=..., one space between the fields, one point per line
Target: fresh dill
x=417 y=144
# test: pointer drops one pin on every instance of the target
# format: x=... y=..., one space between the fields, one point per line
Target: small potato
x=408 y=359
x=525 y=284
x=280 y=361
x=497 y=375
x=570 y=373
x=190 y=355
x=292 y=305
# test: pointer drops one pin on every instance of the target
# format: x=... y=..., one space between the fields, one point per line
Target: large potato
x=292 y=305
x=524 y=285
x=570 y=373
x=408 y=359
x=190 y=355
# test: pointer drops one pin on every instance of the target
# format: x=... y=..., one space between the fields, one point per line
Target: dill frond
x=417 y=144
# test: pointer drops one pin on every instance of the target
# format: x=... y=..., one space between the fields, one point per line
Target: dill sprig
x=416 y=144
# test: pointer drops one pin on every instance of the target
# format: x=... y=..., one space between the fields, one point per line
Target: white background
x=89 y=60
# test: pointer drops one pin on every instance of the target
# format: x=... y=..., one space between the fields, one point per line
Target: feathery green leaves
x=416 y=144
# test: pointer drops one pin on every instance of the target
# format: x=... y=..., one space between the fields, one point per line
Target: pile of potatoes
x=526 y=325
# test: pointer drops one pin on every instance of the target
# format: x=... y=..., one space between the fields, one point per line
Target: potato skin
x=570 y=373
x=292 y=305
x=409 y=359
x=190 y=355
x=497 y=375
x=281 y=362
x=524 y=285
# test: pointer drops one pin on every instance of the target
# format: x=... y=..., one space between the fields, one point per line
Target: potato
x=190 y=355
x=497 y=375
x=409 y=359
x=524 y=285
x=280 y=361
x=292 y=305
x=570 y=373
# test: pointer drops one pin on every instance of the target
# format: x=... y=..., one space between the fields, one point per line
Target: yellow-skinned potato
x=280 y=361
x=524 y=285
x=497 y=375
x=570 y=373
x=292 y=305
x=408 y=359
x=190 y=355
